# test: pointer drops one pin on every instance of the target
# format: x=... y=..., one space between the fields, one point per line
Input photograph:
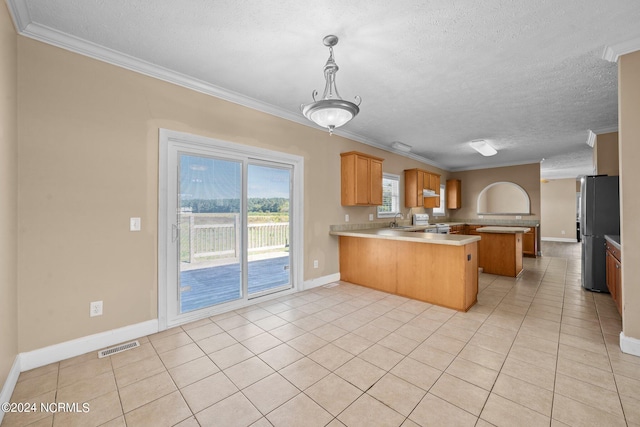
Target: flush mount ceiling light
x=482 y=147
x=401 y=146
x=331 y=111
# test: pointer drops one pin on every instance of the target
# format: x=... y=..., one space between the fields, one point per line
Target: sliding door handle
x=174 y=232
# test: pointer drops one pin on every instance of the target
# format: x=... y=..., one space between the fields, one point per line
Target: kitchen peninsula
x=440 y=269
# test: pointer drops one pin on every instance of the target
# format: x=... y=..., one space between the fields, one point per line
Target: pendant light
x=331 y=111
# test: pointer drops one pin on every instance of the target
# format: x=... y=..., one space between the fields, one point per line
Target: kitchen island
x=440 y=269
x=500 y=250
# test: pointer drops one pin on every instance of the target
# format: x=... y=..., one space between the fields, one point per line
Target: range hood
x=429 y=193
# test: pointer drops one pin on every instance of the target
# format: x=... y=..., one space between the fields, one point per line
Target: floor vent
x=118 y=349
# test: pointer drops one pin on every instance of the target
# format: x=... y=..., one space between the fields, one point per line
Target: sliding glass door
x=227 y=224
x=268 y=228
x=210 y=230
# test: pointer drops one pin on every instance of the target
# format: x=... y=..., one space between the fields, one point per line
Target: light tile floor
x=533 y=351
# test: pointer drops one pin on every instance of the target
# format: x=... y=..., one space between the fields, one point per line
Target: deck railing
x=218 y=236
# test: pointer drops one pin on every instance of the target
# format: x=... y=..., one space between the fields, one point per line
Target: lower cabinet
x=530 y=243
x=613 y=258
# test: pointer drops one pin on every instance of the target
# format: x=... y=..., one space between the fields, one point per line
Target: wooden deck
x=214 y=285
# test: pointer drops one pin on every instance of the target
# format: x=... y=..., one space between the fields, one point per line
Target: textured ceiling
x=528 y=76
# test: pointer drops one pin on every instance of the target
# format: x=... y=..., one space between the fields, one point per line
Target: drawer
x=614 y=251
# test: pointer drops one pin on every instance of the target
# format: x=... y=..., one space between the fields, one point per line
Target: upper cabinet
x=361 y=179
x=454 y=194
x=415 y=182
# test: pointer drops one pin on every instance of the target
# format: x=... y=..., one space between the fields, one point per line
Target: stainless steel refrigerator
x=599 y=215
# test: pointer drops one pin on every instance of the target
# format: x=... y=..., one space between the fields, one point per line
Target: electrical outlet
x=346 y=218
x=480 y=216
x=370 y=217
x=95 y=309
x=315 y=263
x=518 y=216
x=563 y=232
x=134 y=224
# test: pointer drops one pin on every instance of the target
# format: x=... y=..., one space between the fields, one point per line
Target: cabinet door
x=362 y=180
x=610 y=276
x=413 y=182
x=454 y=195
x=375 y=183
x=618 y=285
x=432 y=182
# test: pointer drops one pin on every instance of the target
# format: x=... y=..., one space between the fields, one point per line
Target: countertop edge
x=409 y=236
x=503 y=230
x=614 y=239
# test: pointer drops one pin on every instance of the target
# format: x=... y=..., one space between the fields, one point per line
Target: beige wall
x=605 y=154
x=8 y=195
x=629 y=128
x=474 y=181
x=558 y=207
x=89 y=161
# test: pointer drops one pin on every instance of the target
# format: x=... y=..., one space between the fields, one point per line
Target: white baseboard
x=320 y=281
x=558 y=239
x=629 y=345
x=57 y=352
x=10 y=384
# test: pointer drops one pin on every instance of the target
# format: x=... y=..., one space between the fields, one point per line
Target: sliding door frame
x=169 y=143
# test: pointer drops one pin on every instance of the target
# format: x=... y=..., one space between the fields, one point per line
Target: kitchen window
x=441 y=210
x=390 y=196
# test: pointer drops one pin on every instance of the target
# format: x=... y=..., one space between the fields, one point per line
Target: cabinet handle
x=618 y=266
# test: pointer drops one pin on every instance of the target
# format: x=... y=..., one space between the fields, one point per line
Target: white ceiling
x=528 y=76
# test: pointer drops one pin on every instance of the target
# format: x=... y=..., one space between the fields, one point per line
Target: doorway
x=230 y=221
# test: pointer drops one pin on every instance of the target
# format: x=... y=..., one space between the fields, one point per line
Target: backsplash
x=368 y=225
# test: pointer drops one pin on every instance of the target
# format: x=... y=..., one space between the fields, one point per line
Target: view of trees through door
x=215 y=237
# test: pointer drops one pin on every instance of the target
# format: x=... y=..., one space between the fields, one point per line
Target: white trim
x=57 y=352
x=26 y=27
x=10 y=383
x=320 y=281
x=629 y=345
x=593 y=134
x=171 y=141
x=558 y=239
x=492 y=166
x=613 y=52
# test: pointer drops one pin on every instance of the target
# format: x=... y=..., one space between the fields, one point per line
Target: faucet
x=394 y=223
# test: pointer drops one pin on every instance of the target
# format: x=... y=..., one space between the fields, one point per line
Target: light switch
x=134 y=224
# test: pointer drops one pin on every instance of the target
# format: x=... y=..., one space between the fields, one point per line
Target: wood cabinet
x=530 y=242
x=361 y=179
x=501 y=253
x=471 y=229
x=457 y=229
x=613 y=259
x=445 y=275
x=453 y=194
x=415 y=182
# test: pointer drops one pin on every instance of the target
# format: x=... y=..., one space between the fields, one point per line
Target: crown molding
x=27 y=28
x=593 y=133
x=494 y=165
x=613 y=52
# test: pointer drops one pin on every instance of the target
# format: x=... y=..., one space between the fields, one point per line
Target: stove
x=423 y=219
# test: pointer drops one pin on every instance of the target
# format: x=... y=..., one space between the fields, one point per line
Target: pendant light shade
x=331 y=111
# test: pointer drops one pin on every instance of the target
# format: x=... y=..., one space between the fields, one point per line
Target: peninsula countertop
x=409 y=236
x=502 y=229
